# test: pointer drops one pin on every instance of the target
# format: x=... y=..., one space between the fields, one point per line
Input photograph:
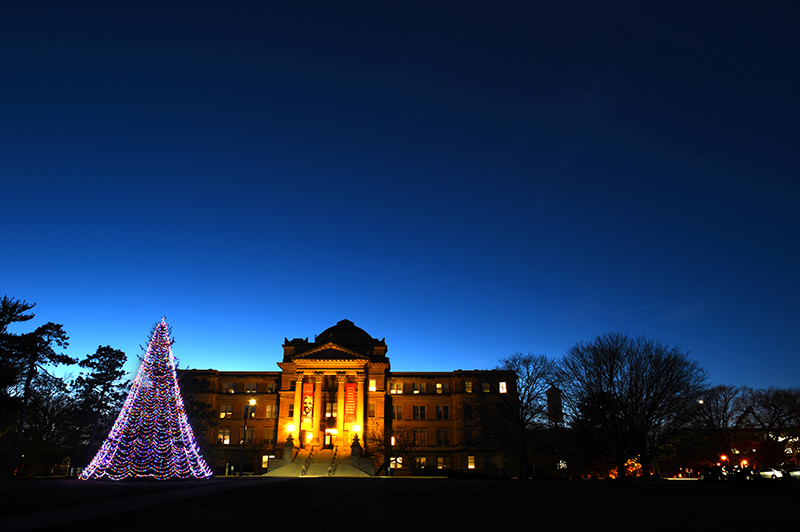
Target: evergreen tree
x=151 y=437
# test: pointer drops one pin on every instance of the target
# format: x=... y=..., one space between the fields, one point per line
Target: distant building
x=340 y=388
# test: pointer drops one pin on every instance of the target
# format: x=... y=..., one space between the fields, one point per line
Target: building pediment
x=330 y=352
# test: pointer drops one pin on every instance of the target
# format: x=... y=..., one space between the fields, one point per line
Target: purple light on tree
x=151 y=436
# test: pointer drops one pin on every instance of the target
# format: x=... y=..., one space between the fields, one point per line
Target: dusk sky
x=464 y=179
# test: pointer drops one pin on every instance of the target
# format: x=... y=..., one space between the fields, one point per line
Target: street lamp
x=244 y=436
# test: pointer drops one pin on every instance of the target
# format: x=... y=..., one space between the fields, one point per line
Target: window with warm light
x=224 y=436
x=371 y=410
x=271 y=411
x=225 y=411
x=251 y=387
x=396 y=388
x=373 y=385
x=422 y=461
x=503 y=388
x=487 y=387
x=470 y=462
x=227 y=387
x=468 y=386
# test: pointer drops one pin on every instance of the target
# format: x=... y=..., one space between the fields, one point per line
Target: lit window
x=249 y=411
x=438 y=387
x=371 y=410
x=251 y=387
x=227 y=387
x=224 y=436
x=421 y=461
x=419 y=387
x=468 y=386
x=396 y=462
x=331 y=409
x=271 y=411
x=373 y=385
x=443 y=462
x=487 y=387
x=396 y=388
x=503 y=388
x=470 y=462
x=225 y=411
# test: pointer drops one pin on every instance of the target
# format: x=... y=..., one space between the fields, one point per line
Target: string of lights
x=151 y=437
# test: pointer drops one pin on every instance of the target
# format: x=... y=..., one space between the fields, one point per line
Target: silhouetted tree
x=773 y=415
x=34 y=351
x=722 y=415
x=524 y=409
x=102 y=390
x=630 y=398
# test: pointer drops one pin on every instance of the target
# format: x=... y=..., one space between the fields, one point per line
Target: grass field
x=404 y=503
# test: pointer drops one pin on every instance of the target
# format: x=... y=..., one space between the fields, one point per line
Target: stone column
x=298 y=406
x=315 y=422
x=341 y=379
x=360 y=399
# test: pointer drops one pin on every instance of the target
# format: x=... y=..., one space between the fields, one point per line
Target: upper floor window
x=251 y=387
x=487 y=387
x=503 y=388
x=419 y=387
x=419 y=412
x=227 y=387
x=225 y=411
x=373 y=385
x=396 y=387
x=442 y=387
x=224 y=436
x=442 y=412
x=468 y=386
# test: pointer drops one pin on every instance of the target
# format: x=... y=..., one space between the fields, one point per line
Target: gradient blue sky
x=465 y=179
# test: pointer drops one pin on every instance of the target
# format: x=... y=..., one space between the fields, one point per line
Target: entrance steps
x=320 y=463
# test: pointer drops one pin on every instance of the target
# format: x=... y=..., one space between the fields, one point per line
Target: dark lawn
x=405 y=503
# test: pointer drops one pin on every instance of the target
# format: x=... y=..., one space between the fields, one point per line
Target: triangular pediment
x=330 y=351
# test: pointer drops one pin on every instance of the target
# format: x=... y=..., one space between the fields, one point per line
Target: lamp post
x=244 y=436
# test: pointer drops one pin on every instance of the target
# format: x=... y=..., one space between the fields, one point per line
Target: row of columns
x=341 y=378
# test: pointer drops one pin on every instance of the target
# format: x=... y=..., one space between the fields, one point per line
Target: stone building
x=339 y=390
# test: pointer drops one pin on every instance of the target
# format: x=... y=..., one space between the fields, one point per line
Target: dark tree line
x=637 y=402
x=46 y=420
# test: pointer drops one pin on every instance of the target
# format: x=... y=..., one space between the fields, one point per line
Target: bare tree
x=525 y=408
x=630 y=398
x=773 y=415
x=721 y=417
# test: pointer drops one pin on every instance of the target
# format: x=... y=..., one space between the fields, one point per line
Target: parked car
x=792 y=473
x=769 y=473
x=713 y=473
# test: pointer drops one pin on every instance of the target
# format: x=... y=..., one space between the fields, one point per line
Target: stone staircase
x=317 y=462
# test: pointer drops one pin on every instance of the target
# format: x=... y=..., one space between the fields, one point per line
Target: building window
x=443 y=462
x=503 y=388
x=396 y=388
x=442 y=387
x=249 y=434
x=251 y=387
x=396 y=462
x=419 y=387
x=468 y=386
x=331 y=409
x=421 y=461
x=373 y=386
x=467 y=411
x=271 y=411
x=224 y=436
x=291 y=410
x=397 y=412
x=269 y=435
x=419 y=412
x=371 y=410
x=271 y=387
x=227 y=387
x=442 y=412
x=249 y=411
x=470 y=462
x=487 y=387
x=443 y=437
x=420 y=436
x=225 y=411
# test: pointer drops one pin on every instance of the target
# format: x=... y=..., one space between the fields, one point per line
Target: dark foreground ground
x=406 y=503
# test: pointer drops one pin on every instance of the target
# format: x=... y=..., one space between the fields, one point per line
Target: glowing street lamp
x=244 y=436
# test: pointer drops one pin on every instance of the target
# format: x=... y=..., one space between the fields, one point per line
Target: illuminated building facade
x=340 y=388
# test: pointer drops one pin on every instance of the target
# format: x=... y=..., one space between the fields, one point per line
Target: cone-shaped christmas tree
x=151 y=437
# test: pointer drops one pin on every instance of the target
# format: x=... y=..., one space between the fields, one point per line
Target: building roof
x=344 y=334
